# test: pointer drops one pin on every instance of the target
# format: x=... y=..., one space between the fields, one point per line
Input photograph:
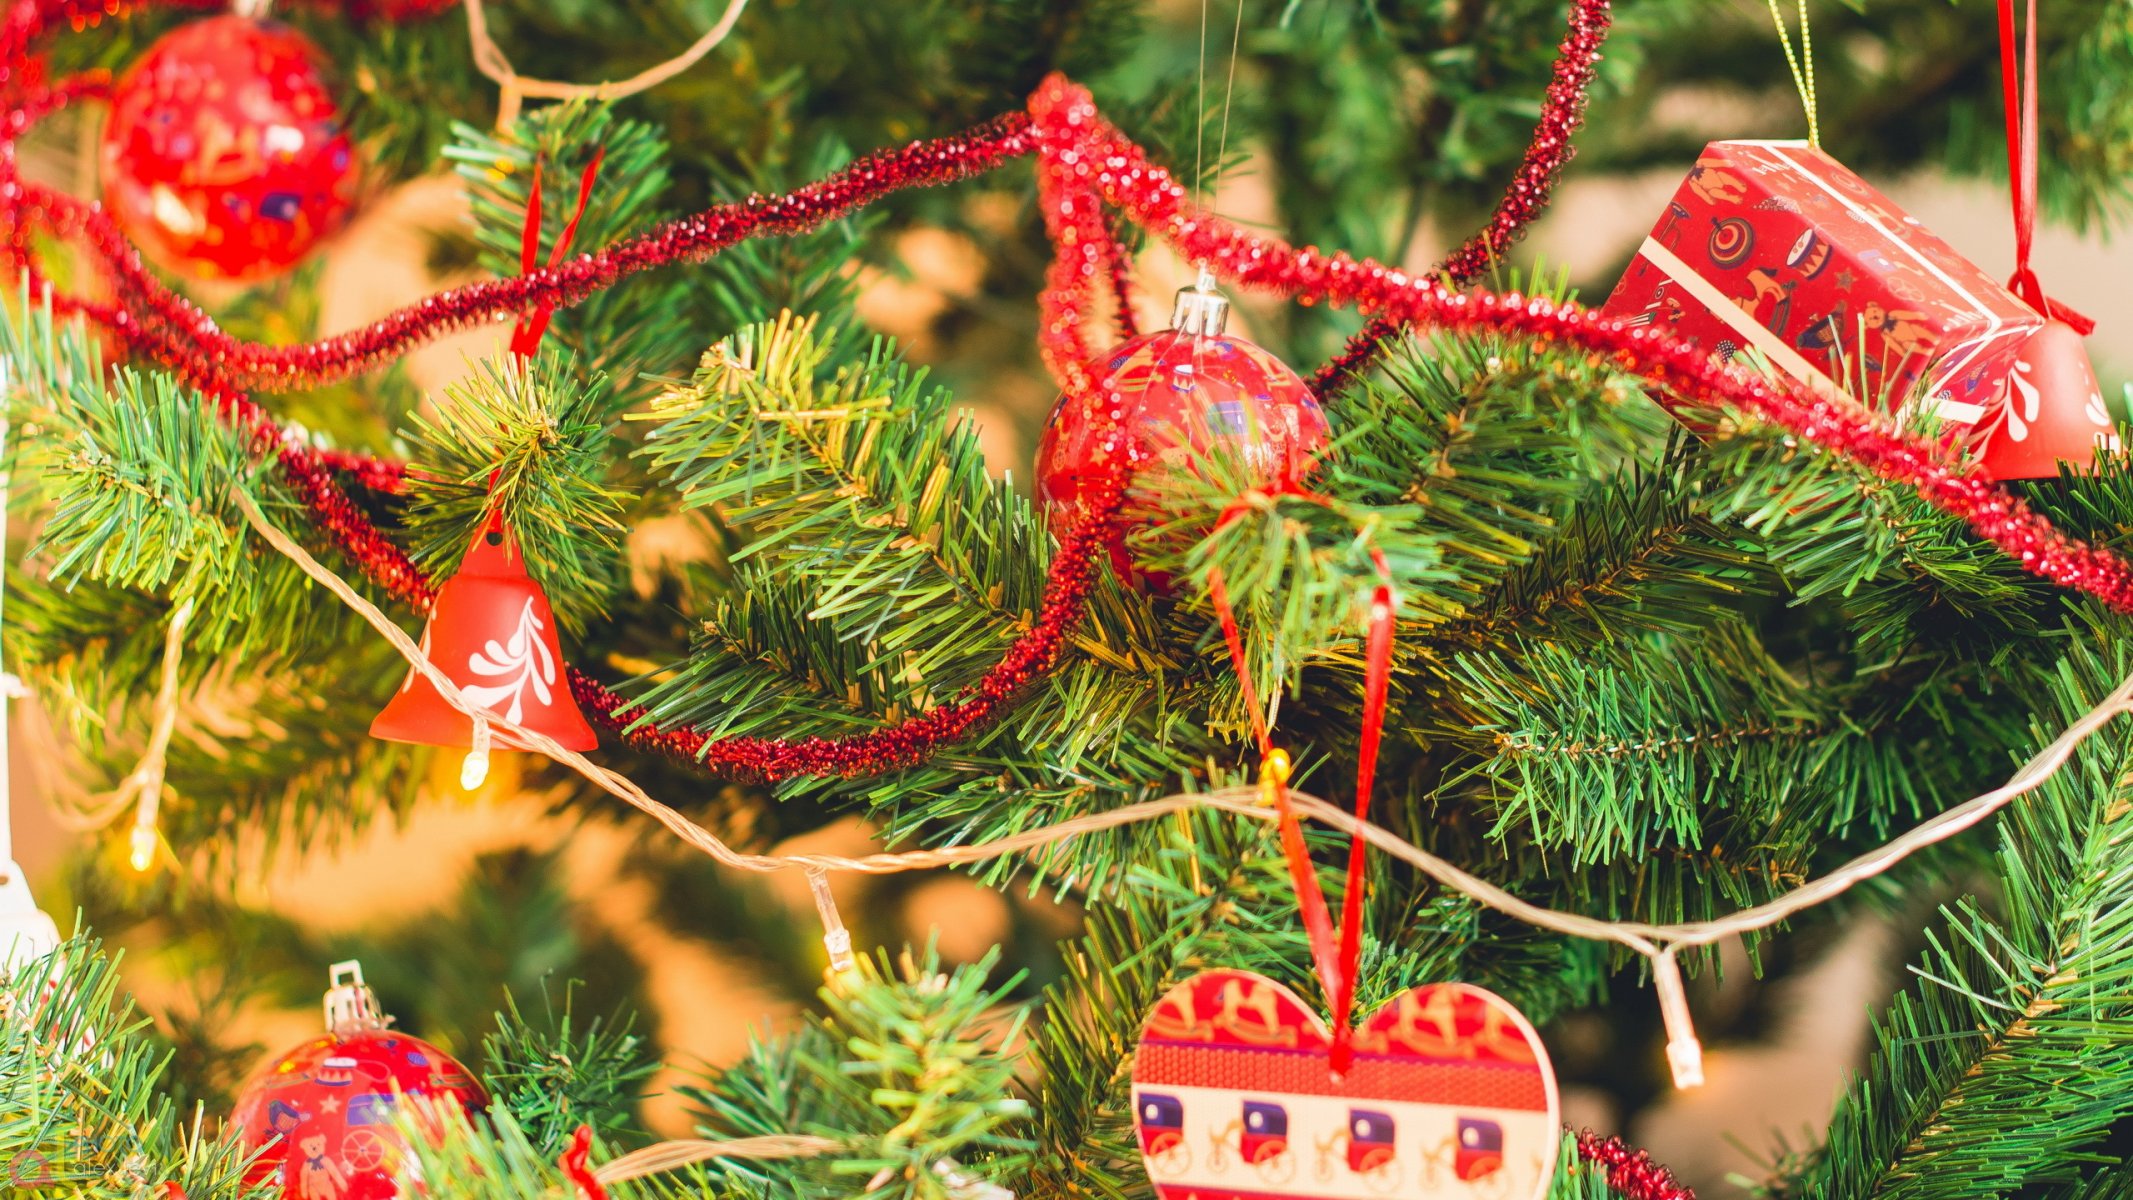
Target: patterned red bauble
x=224 y=156
x=323 y=1111
x=1186 y=390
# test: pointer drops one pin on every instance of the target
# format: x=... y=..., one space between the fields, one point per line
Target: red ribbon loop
x=1337 y=955
x=526 y=335
x=576 y=1161
x=1377 y=682
x=2018 y=94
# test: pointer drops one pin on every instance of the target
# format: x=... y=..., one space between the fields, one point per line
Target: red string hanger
x=1337 y=954
x=1226 y=1040
x=1084 y=166
x=2018 y=92
x=526 y=335
x=2053 y=416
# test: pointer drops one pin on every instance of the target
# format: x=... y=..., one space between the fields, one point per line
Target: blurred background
x=457 y=893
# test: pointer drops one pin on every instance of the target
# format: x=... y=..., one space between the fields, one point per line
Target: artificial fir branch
x=903 y=1071
x=1967 y=1094
x=1493 y=444
x=138 y=471
x=557 y=1072
x=82 y=1112
x=529 y=440
x=1637 y=746
x=1640 y=555
x=875 y=567
x=257 y=742
x=1906 y=571
x=1298 y=568
x=496 y=1157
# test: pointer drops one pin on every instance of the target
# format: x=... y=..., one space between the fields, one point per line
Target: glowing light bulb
x=143 y=841
x=474 y=768
x=1685 y=1056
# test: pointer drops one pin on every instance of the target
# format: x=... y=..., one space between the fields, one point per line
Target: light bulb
x=144 y=847
x=1685 y=1056
x=474 y=768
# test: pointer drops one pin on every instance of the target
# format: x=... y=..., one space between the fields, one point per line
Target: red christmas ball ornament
x=224 y=156
x=1187 y=390
x=323 y=1111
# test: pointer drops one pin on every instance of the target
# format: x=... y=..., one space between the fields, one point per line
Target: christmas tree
x=1495 y=640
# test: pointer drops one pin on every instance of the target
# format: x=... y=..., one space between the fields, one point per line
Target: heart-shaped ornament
x=1449 y=1095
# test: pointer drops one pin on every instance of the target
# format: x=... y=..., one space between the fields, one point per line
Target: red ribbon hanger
x=576 y=1164
x=526 y=335
x=2018 y=91
x=1337 y=956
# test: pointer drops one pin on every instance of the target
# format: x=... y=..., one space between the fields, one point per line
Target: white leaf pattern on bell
x=523 y=661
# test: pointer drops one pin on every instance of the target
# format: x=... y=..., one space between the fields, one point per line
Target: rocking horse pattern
x=1450 y=1095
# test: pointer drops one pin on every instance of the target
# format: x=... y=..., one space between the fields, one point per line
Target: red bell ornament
x=224 y=155
x=2053 y=413
x=322 y=1113
x=492 y=633
x=1186 y=390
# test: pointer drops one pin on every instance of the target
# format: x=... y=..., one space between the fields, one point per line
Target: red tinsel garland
x=1631 y=1173
x=1528 y=196
x=1083 y=165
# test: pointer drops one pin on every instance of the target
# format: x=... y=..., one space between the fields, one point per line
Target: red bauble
x=224 y=156
x=1187 y=390
x=323 y=1111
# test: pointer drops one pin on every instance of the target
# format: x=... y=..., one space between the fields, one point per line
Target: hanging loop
x=1802 y=63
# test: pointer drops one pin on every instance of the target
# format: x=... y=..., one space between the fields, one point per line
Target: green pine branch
x=1905 y=572
x=1993 y=1068
x=530 y=441
x=909 y=1069
x=554 y=1072
x=875 y=569
x=82 y=1111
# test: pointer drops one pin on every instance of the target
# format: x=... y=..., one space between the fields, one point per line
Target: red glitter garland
x=1067 y=123
x=1631 y=1173
x=1528 y=196
x=175 y=332
x=1083 y=164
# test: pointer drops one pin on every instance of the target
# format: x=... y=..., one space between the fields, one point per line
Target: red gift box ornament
x=1449 y=1093
x=493 y=634
x=1774 y=247
x=322 y=1114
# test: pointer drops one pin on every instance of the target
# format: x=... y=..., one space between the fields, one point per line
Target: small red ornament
x=1186 y=389
x=323 y=1111
x=1450 y=1094
x=2054 y=411
x=493 y=633
x=224 y=156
